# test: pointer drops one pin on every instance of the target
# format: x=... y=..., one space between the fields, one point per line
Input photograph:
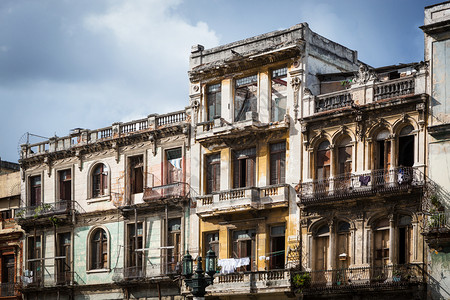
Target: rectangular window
x=174 y=246
x=212 y=173
x=244 y=168
x=8 y=272
x=211 y=242
x=35 y=190
x=245 y=97
x=174 y=168
x=136 y=174
x=279 y=94
x=244 y=246
x=64 y=257
x=6 y=214
x=213 y=99
x=277 y=246
x=135 y=246
x=277 y=163
x=65 y=184
x=34 y=254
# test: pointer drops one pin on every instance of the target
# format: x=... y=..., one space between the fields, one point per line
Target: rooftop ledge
x=82 y=137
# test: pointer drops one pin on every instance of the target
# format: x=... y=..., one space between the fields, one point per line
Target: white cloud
x=139 y=52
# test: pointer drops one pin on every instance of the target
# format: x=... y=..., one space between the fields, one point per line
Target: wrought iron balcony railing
x=352 y=185
x=436 y=222
x=8 y=289
x=45 y=209
x=175 y=190
x=359 y=278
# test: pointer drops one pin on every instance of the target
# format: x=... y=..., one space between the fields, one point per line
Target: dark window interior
x=277 y=163
x=214 y=101
x=212 y=173
x=244 y=168
x=65 y=185
x=136 y=174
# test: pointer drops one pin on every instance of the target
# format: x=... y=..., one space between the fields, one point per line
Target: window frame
x=32 y=190
x=278 y=157
x=272 y=100
x=245 y=85
x=249 y=160
x=61 y=182
x=216 y=102
x=212 y=178
x=104 y=183
x=130 y=240
x=90 y=257
x=136 y=165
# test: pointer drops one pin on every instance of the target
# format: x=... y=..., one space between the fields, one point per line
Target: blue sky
x=67 y=64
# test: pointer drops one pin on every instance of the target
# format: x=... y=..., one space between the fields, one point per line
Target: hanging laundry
x=229 y=265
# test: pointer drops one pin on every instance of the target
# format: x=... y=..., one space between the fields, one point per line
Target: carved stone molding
x=296 y=83
x=365 y=75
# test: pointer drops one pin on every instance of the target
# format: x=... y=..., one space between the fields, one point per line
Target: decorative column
x=392 y=243
x=331 y=246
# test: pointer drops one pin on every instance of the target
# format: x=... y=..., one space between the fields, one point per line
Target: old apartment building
x=247 y=98
x=309 y=173
x=106 y=211
x=10 y=233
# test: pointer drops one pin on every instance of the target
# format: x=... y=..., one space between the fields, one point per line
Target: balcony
x=51 y=213
x=274 y=281
x=243 y=199
x=38 y=278
x=82 y=137
x=351 y=280
x=137 y=274
x=332 y=101
x=177 y=191
x=398 y=180
x=9 y=290
x=437 y=229
x=212 y=131
x=355 y=97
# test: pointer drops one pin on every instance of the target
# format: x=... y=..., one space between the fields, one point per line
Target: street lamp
x=199 y=282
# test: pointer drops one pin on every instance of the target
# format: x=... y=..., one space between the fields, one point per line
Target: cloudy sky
x=83 y=63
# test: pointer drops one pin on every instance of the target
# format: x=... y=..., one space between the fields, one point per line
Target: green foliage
x=302 y=280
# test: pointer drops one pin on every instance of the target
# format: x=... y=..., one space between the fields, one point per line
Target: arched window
x=99 y=181
x=98 y=249
x=323 y=161
x=406 y=147
x=344 y=161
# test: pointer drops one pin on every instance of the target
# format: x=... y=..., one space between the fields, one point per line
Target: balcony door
x=244 y=246
x=381 y=243
x=244 y=168
x=8 y=272
x=64 y=258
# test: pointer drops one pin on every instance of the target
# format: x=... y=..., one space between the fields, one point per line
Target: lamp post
x=198 y=282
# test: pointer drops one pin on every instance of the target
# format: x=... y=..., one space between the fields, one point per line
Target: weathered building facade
x=247 y=144
x=309 y=173
x=10 y=233
x=106 y=211
x=437 y=231
x=363 y=181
